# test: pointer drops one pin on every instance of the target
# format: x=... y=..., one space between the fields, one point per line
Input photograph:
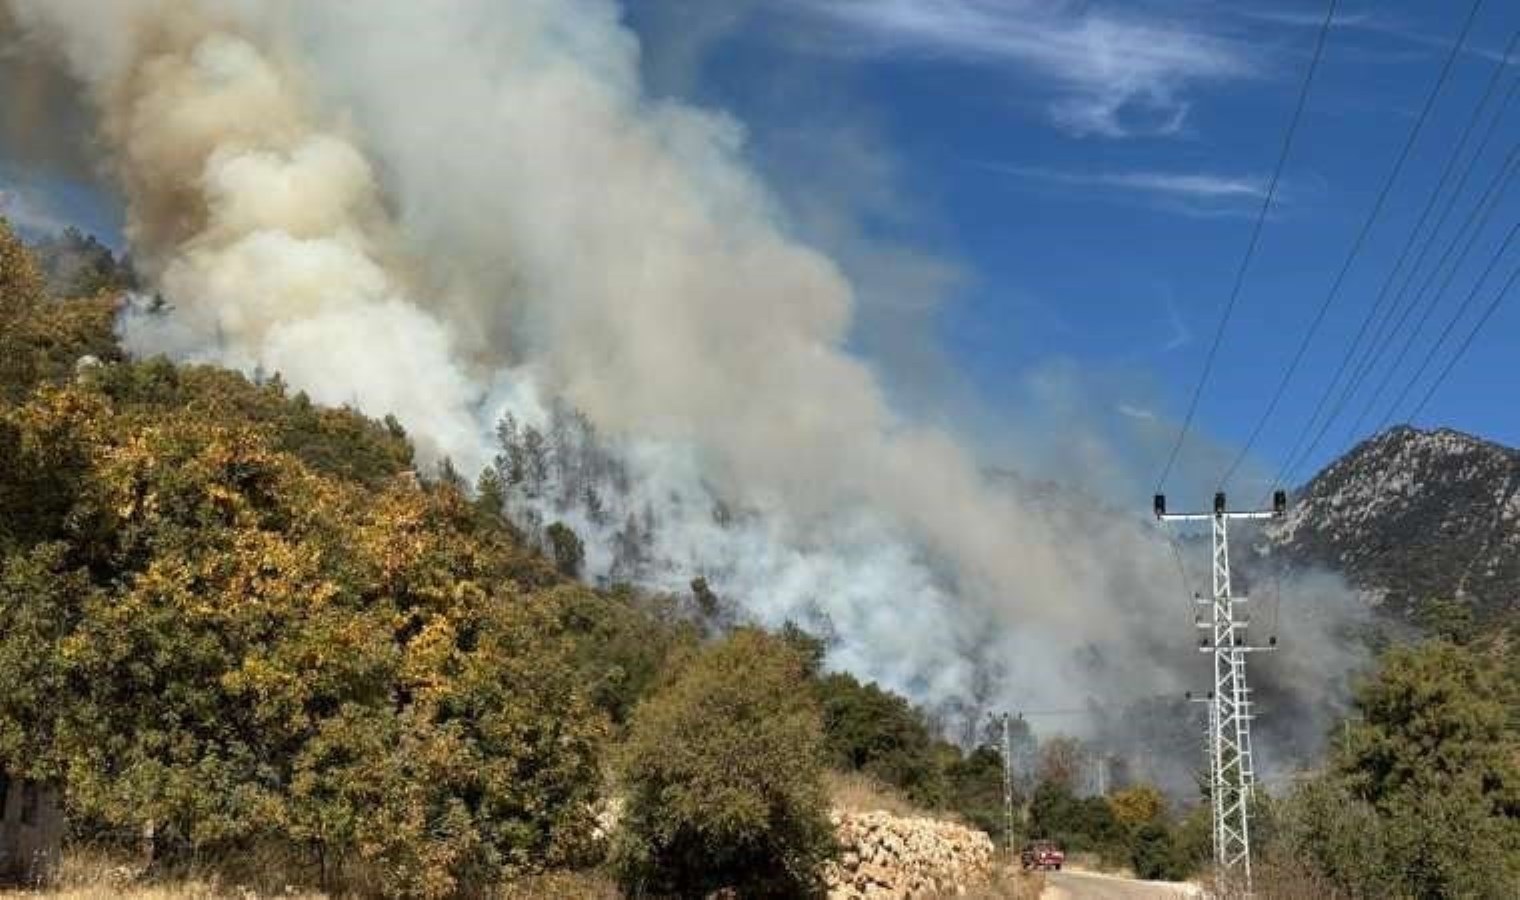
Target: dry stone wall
x=887 y=856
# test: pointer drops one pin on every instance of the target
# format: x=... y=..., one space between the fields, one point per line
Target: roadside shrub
x=724 y=779
x=1424 y=799
x=1078 y=824
x=1153 y=853
x=871 y=730
x=976 y=789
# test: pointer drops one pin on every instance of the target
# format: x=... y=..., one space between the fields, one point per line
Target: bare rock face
x=1410 y=516
x=887 y=856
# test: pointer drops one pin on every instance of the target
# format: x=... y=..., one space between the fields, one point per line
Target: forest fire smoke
x=446 y=215
x=263 y=229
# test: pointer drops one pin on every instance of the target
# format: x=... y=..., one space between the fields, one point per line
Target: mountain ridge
x=1411 y=516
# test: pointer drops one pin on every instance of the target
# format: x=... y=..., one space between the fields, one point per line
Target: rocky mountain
x=1413 y=516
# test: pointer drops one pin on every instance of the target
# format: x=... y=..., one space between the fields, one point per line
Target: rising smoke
x=449 y=212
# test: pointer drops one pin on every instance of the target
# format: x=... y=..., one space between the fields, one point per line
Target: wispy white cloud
x=1195 y=194
x=1400 y=28
x=1181 y=336
x=1304 y=19
x=1196 y=185
x=1136 y=412
x=1191 y=192
x=1111 y=74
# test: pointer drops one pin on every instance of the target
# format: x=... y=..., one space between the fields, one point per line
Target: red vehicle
x=1042 y=855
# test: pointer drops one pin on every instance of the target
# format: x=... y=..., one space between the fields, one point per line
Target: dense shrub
x=205 y=634
x=870 y=730
x=723 y=778
x=234 y=617
x=1423 y=797
x=1077 y=823
x=42 y=339
x=565 y=547
x=1154 y=854
x=975 y=787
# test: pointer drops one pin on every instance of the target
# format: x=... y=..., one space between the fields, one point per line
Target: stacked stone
x=887 y=856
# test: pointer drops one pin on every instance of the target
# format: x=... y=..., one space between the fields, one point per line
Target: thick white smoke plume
x=446 y=211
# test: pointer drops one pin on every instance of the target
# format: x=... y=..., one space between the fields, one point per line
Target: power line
x=1356 y=249
x=1507 y=174
x=1245 y=263
x=1477 y=217
x=1466 y=343
x=1398 y=312
x=1182 y=573
x=1471 y=335
x=1461 y=350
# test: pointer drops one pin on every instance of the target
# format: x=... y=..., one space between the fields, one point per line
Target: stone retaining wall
x=887 y=856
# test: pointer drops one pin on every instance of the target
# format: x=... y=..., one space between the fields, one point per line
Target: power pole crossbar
x=1231 y=771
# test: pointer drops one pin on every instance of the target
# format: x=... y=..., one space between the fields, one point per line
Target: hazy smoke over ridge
x=445 y=211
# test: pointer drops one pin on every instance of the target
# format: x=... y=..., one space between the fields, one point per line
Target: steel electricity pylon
x=1231 y=771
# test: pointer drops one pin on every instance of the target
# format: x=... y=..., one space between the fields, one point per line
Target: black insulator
x=1279 y=502
x=1219 y=504
x=1160 y=505
x=1239 y=641
x=1272 y=641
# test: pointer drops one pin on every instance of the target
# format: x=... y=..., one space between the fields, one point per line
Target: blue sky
x=1043 y=203
x=1085 y=176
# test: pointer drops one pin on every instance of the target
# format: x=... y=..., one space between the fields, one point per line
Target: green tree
x=77 y=265
x=875 y=731
x=1154 y=854
x=1422 y=801
x=723 y=777
x=1434 y=719
x=490 y=494
x=1194 y=837
x=202 y=631
x=1084 y=824
x=566 y=548
x=42 y=339
x=975 y=788
x=1450 y=620
x=811 y=648
x=1324 y=829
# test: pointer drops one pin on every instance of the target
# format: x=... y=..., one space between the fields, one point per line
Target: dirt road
x=1072 y=885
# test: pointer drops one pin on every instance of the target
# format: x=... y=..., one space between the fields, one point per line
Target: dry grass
x=857 y=792
x=89 y=872
x=562 y=885
x=1289 y=882
x=86 y=873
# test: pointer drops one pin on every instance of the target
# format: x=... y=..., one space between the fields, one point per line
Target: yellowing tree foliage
x=208 y=635
x=238 y=618
x=1137 y=805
